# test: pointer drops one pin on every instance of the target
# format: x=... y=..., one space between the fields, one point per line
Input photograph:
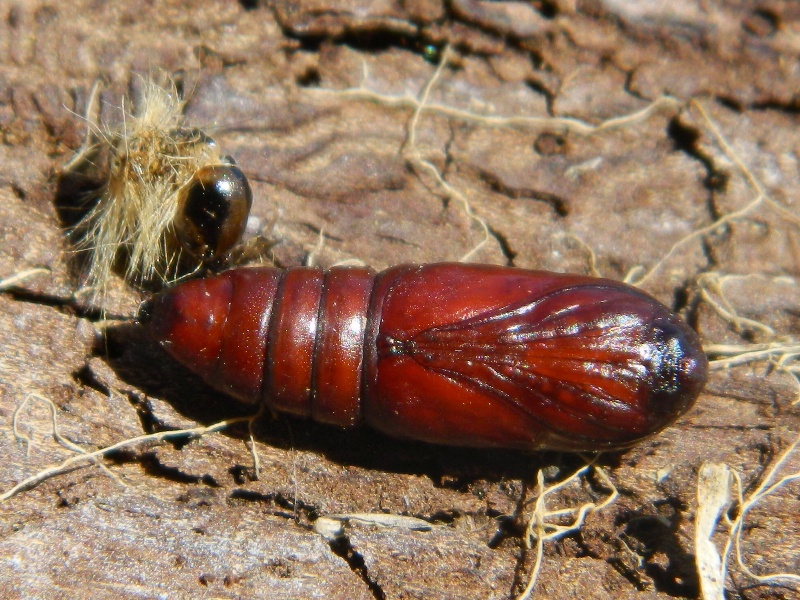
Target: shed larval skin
x=455 y=354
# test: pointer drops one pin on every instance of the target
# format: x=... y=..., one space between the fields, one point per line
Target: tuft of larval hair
x=150 y=157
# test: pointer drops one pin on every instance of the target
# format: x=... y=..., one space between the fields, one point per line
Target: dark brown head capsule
x=456 y=354
x=212 y=211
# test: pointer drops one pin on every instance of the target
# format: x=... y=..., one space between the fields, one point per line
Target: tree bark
x=590 y=137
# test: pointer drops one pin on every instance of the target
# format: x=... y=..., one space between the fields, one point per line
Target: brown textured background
x=268 y=80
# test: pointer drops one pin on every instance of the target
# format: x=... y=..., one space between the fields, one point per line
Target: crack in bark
x=151 y=465
x=298 y=509
x=559 y=205
x=342 y=548
x=686 y=140
x=789 y=107
x=505 y=245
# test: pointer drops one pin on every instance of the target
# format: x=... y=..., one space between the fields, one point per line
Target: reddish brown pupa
x=457 y=354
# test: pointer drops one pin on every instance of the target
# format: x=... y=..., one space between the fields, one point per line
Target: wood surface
x=658 y=140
